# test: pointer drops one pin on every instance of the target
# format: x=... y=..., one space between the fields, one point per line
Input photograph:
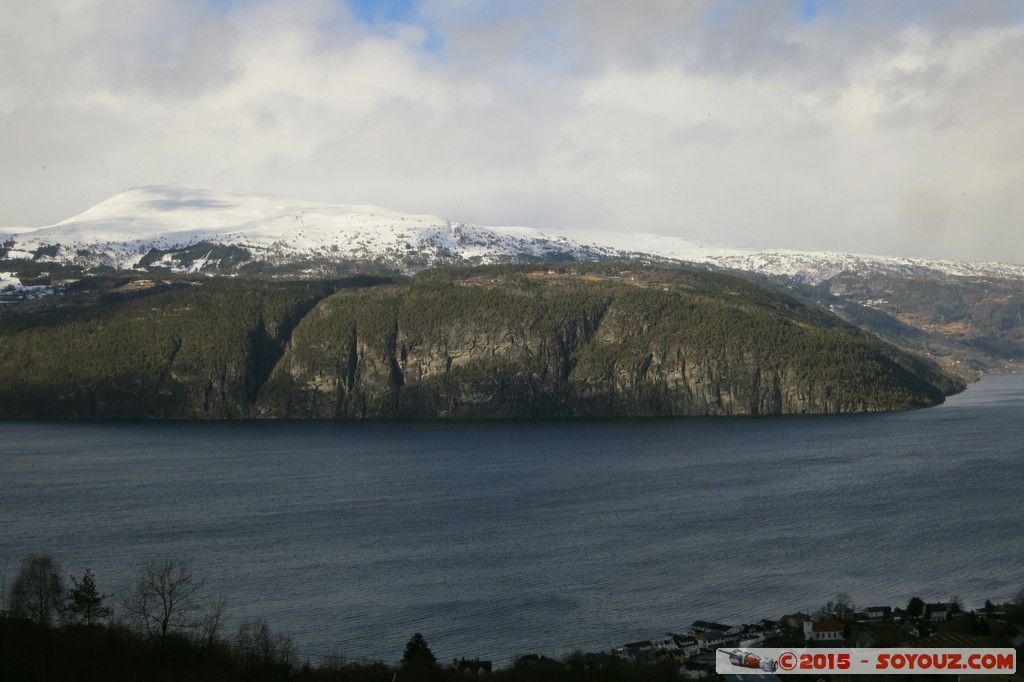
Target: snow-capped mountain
x=124 y=229
x=150 y=226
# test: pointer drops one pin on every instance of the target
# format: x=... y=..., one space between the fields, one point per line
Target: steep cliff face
x=604 y=348
x=184 y=352
x=456 y=344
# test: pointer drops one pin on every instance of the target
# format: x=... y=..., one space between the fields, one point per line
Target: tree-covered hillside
x=596 y=340
x=968 y=325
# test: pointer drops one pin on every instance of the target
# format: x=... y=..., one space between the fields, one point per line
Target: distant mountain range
x=166 y=226
x=968 y=317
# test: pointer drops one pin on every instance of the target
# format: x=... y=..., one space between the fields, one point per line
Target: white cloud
x=864 y=132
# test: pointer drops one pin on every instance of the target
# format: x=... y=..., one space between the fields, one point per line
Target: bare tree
x=38 y=593
x=838 y=608
x=38 y=590
x=259 y=647
x=163 y=599
x=3 y=590
x=210 y=623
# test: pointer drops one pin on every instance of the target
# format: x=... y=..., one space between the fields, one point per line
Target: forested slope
x=493 y=342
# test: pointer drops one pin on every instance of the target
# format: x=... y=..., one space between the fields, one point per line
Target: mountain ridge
x=120 y=231
x=967 y=316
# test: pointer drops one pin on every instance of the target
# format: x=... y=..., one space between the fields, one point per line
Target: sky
x=890 y=128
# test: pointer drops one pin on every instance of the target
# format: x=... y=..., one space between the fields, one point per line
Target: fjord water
x=501 y=538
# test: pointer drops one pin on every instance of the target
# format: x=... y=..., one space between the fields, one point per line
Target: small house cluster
x=836 y=625
x=700 y=638
x=696 y=645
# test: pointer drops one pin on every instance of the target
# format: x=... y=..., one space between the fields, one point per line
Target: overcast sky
x=863 y=126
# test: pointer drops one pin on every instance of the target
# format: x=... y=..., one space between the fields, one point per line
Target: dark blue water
x=495 y=539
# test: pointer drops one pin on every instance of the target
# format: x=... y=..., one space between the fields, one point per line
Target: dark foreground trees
x=166 y=597
x=263 y=654
x=85 y=604
x=418 y=662
x=38 y=595
x=38 y=591
x=167 y=629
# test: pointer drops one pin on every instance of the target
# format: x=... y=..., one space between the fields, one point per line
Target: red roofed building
x=824 y=630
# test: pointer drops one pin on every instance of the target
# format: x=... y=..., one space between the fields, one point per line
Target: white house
x=824 y=630
x=878 y=612
x=937 y=612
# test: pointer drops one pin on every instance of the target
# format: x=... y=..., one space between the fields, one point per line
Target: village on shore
x=838 y=623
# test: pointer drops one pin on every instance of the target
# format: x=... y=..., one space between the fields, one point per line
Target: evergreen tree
x=418 y=662
x=417 y=651
x=85 y=603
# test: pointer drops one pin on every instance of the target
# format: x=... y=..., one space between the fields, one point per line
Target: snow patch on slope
x=123 y=229
x=11 y=288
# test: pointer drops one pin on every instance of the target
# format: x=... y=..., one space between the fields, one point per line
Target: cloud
x=861 y=126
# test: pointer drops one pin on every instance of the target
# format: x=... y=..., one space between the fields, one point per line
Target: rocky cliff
x=470 y=343
x=694 y=345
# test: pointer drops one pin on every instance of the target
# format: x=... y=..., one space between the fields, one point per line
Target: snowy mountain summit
x=178 y=227
x=123 y=230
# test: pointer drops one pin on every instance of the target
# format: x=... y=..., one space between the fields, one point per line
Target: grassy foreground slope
x=495 y=342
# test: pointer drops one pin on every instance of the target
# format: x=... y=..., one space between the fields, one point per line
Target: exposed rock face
x=452 y=346
x=607 y=353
